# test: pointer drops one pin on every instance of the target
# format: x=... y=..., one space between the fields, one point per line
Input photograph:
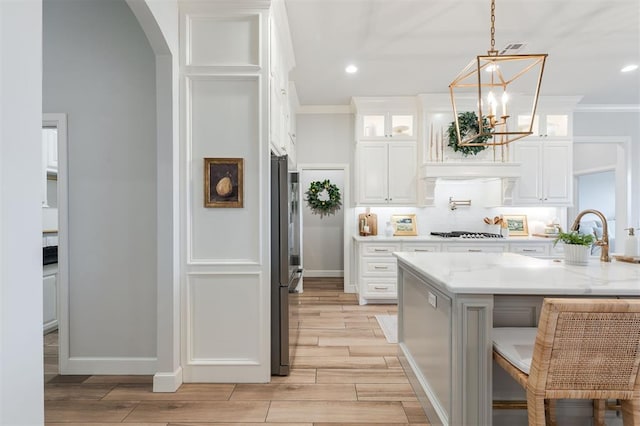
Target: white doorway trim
x=623 y=178
x=348 y=223
x=59 y=121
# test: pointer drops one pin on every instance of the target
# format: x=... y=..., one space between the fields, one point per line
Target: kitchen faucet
x=604 y=241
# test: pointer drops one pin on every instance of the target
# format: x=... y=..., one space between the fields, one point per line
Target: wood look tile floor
x=343 y=373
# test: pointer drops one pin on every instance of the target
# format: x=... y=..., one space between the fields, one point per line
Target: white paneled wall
x=224 y=110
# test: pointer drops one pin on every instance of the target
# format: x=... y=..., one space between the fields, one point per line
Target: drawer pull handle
x=381 y=250
x=475 y=250
x=427 y=250
x=381 y=267
x=380 y=288
x=530 y=250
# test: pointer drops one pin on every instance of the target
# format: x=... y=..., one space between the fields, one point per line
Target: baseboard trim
x=103 y=365
x=328 y=273
x=167 y=382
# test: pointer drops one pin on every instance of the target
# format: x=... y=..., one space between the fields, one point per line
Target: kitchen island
x=449 y=303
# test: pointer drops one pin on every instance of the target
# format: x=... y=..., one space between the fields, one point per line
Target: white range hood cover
x=470 y=170
x=508 y=173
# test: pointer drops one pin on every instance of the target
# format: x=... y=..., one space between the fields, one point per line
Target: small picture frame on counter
x=517 y=225
x=404 y=224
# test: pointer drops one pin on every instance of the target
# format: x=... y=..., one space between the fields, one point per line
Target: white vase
x=575 y=254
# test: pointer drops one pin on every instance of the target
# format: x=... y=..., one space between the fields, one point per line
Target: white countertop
x=435 y=239
x=510 y=273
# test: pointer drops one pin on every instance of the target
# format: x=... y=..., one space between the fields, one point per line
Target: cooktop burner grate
x=466 y=234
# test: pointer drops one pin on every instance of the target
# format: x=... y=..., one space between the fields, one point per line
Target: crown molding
x=325 y=109
x=607 y=108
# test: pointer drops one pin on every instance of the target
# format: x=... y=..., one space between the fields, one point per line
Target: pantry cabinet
x=547 y=173
x=386 y=173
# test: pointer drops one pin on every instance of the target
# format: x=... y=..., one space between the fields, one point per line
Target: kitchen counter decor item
x=517 y=225
x=223 y=182
x=368 y=224
x=468 y=123
x=404 y=224
x=323 y=198
x=576 y=247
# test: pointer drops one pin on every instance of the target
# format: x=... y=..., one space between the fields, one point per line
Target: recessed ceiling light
x=629 y=68
x=351 y=69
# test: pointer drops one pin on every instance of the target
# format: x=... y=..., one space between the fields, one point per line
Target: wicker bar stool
x=584 y=349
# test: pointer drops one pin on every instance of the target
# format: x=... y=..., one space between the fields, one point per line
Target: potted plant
x=576 y=247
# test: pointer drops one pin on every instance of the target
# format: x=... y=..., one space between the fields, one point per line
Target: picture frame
x=224 y=182
x=404 y=224
x=517 y=225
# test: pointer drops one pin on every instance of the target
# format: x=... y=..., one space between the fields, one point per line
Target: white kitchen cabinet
x=475 y=248
x=377 y=271
x=547 y=173
x=50 y=298
x=531 y=249
x=387 y=173
x=547 y=125
x=282 y=98
x=386 y=125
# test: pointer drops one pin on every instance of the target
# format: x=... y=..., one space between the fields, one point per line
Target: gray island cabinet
x=448 y=304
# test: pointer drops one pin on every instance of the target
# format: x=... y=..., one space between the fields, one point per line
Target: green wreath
x=468 y=122
x=323 y=197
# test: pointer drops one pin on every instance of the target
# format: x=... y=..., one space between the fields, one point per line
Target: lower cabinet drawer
x=530 y=249
x=380 y=288
x=378 y=267
x=476 y=248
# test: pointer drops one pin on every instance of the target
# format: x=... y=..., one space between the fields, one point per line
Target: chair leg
x=599 y=406
x=630 y=412
x=550 y=412
x=535 y=409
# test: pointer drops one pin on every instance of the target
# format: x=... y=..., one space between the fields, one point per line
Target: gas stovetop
x=466 y=234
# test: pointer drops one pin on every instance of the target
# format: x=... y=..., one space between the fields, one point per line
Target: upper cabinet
x=553 y=118
x=386 y=147
x=387 y=125
x=392 y=118
x=547 y=173
x=386 y=173
x=283 y=100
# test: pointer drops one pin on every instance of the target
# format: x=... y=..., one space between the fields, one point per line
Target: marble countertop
x=510 y=273
x=435 y=239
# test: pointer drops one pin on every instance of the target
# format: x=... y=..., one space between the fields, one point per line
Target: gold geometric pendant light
x=494 y=81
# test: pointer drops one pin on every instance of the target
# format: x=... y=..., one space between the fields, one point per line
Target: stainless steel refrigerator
x=286 y=268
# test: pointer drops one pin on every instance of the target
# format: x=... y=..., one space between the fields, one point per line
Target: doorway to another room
x=324 y=238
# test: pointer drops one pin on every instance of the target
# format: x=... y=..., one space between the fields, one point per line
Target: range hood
x=508 y=173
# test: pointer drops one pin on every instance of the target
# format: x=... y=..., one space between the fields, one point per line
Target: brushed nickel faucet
x=604 y=241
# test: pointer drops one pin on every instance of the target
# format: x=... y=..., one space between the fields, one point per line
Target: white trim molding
x=325 y=109
x=167 y=382
x=607 y=108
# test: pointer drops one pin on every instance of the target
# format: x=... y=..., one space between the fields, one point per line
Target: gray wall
x=100 y=70
x=616 y=124
x=324 y=139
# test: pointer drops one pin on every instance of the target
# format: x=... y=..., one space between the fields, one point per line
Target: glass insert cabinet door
x=387 y=125
x=551 y=125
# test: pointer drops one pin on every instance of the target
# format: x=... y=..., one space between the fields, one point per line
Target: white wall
x=226 y=259
x=21 y=375
x=323 y=237
x=100 y=69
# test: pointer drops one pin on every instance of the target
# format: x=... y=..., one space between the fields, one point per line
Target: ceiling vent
x=512 y=48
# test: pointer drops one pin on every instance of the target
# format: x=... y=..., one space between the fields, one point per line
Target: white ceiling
x=407 y=47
